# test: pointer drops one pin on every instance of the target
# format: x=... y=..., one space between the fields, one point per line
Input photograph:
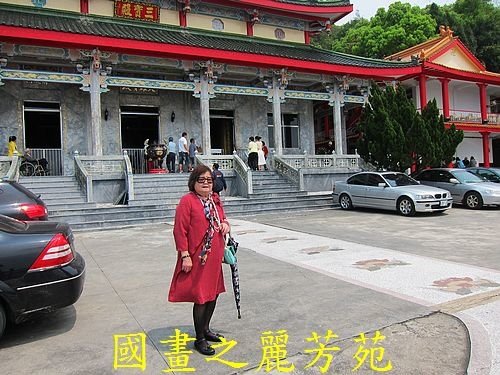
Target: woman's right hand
x=187 y=264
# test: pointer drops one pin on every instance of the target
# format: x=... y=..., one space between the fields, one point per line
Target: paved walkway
x=290 y=280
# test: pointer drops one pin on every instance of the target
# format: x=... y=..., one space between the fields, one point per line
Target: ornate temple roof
x=123 y=30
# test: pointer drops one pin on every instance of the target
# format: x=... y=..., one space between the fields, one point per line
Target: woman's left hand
x=225 y=228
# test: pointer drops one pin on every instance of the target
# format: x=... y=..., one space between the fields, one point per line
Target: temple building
x=466 y=93
x=103 y=76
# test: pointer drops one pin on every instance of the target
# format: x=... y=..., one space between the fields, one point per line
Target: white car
x=390 y=191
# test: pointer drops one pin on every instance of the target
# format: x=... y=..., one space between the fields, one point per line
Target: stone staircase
x=156 y=197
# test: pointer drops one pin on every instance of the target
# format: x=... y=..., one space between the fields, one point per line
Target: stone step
x=61 y=196
x=64 y=187
x=160 y=188
x=50 y=202
x=110 y=214
x=53 y=207
x=46 y=179
x=130 y=222
x=118 y=223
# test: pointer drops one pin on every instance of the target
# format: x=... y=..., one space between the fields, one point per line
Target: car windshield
x=466 y=177
x=399 y=179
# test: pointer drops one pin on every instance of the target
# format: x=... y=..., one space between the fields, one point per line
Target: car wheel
x=473 y=200
x=3 y=320
x=406 y=207
x=345 y=202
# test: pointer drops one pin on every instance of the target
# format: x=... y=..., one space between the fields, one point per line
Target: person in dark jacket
x=219 y=180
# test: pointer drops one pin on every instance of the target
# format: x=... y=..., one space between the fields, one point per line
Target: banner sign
x=137 y=11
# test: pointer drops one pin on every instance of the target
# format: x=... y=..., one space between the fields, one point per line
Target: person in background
x=261 y=160
x=171 y=155
x=266 y=152
x=253 y=156
x=466 y=162
x=199 y=229
x=192 y=153
x=473 y=162
x=219 y=180
x=459 y=163
x=183 y=152
x=12 y=145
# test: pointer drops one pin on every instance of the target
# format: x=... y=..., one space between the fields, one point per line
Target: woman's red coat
x=203 y=283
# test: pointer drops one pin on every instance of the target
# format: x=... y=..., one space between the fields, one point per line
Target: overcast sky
x=368 y=8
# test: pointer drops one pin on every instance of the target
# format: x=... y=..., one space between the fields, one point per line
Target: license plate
x=443 y=203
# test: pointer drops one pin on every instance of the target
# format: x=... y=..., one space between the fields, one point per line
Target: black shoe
x=212 y=336
x=203 y=347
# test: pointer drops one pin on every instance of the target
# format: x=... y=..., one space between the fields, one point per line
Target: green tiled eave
x=326 y=3
x=43 y=19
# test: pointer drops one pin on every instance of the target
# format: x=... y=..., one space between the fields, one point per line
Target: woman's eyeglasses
x=202 y=180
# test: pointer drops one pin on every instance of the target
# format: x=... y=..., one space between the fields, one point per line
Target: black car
x=18 y=202
x=39 y=268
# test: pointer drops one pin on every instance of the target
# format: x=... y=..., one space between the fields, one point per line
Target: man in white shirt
x=183 y=152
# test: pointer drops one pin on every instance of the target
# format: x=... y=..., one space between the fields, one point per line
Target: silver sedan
x=465 y=187
x=390 y=191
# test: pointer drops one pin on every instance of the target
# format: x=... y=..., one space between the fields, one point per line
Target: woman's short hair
x=197 y=172
x=12 y=138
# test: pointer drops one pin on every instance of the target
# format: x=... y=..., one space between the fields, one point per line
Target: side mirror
x=382 y=184
x=454 y=181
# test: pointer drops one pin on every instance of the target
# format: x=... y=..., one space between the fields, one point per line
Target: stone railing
x=322 y=161
x=90 y=168
x=83 y=177
x=289 y=168
x=129 y=176
x=244 y=172
x=230 y=162
x=9 y=167
x=225 y=162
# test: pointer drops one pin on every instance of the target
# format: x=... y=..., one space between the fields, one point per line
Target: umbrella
x=235 y=276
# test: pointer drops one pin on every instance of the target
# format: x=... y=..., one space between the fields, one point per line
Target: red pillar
x=84 y=6
x=482 y=99
x=307 y=37
x=182 y=19
x=445 y=96
x=422 y=82
x=486 y=148
x=249 y=28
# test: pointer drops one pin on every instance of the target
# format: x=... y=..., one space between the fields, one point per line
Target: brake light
x=57 y=253
x=34 y=211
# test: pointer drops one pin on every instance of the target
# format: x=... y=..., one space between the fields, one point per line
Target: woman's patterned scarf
x=213 y=224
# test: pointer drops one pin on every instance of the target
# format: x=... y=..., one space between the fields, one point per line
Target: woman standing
x=261 y=161
x=12 y=146
x=199 y=230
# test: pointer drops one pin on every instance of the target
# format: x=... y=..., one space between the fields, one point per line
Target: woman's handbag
x=230 y=250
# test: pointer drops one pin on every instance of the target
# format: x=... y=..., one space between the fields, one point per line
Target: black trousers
x=253 y=160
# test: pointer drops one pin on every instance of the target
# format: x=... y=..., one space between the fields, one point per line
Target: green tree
x=477 y=23
x=395 y=135
x=398 y=28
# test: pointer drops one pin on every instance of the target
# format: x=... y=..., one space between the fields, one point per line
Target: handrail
x=83 y=177
x=288 y=171
x=244 y=172
x=225 y=162
x=129 y=177
x=12 y=171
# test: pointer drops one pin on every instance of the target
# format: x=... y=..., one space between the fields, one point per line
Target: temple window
x=217 y=24
x=279 y=34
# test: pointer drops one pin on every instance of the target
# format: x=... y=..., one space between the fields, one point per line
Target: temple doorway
x=222 y=132
x=138 y=124
x=42 y=134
